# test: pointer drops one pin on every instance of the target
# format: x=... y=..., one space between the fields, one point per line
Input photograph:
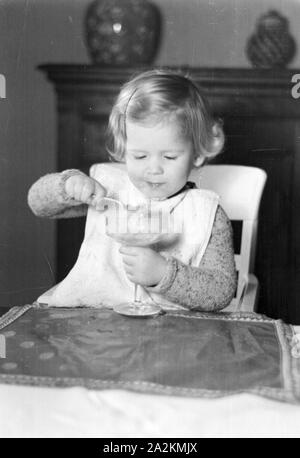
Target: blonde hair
x=153 y=97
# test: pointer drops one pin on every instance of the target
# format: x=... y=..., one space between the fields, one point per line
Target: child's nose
x=155 y=167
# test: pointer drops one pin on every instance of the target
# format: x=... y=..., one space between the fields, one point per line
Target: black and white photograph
x=150 y=230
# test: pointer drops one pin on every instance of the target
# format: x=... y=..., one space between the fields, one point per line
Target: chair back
x=240 y=189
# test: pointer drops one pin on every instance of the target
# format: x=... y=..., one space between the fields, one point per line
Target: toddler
x=159 y=129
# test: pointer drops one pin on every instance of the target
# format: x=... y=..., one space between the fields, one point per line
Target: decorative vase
x=271 y=45
x=122 y=32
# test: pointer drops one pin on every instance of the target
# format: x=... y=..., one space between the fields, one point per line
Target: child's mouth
x=154 y=185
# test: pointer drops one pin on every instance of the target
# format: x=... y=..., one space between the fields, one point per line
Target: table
x=28 y=411
x=78 y=412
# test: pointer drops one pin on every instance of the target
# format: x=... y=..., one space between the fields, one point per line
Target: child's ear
x=198 y=160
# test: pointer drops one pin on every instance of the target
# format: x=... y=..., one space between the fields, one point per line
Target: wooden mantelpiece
x=262 y=126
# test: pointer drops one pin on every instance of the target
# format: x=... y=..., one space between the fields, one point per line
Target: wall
x=32 y=32
x=211 y=33
x=196 y=32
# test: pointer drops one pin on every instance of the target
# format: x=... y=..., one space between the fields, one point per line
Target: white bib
x=98 y=277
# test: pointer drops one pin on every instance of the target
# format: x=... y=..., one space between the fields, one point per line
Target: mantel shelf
x=221 y=77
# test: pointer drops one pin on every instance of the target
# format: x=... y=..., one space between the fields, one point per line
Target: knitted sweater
x=208 y=287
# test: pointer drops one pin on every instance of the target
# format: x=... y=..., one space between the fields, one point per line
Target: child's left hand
x=143 y=265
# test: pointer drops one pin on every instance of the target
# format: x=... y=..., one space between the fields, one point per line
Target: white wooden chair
x=240 y=189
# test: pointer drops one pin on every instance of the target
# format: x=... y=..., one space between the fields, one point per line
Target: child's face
x=158 y=158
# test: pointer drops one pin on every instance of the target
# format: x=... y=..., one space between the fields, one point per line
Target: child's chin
x=157 y=196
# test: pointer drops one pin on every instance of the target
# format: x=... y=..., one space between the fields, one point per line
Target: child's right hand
x=84 y=189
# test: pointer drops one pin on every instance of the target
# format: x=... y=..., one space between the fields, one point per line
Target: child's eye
x=139 y=157
x=172 y=158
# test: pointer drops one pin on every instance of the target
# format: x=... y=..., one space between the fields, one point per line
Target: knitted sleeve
x=47 y=197
x=212 y=285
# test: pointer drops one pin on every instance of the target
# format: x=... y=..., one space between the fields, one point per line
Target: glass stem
x=135 y=292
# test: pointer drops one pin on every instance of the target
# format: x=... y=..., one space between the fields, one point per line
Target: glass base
x=137 y=309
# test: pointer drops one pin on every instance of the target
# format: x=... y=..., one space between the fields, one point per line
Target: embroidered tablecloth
x=178 y=353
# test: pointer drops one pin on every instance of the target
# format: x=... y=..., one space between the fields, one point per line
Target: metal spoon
x=105 y=201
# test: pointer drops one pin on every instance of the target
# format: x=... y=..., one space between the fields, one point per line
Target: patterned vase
x=122 y=32
x=271 y=45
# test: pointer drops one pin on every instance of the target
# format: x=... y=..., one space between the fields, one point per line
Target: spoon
x=105 y=201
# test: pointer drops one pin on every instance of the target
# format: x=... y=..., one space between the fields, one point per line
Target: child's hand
x=143 y=265
x=84 y=189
